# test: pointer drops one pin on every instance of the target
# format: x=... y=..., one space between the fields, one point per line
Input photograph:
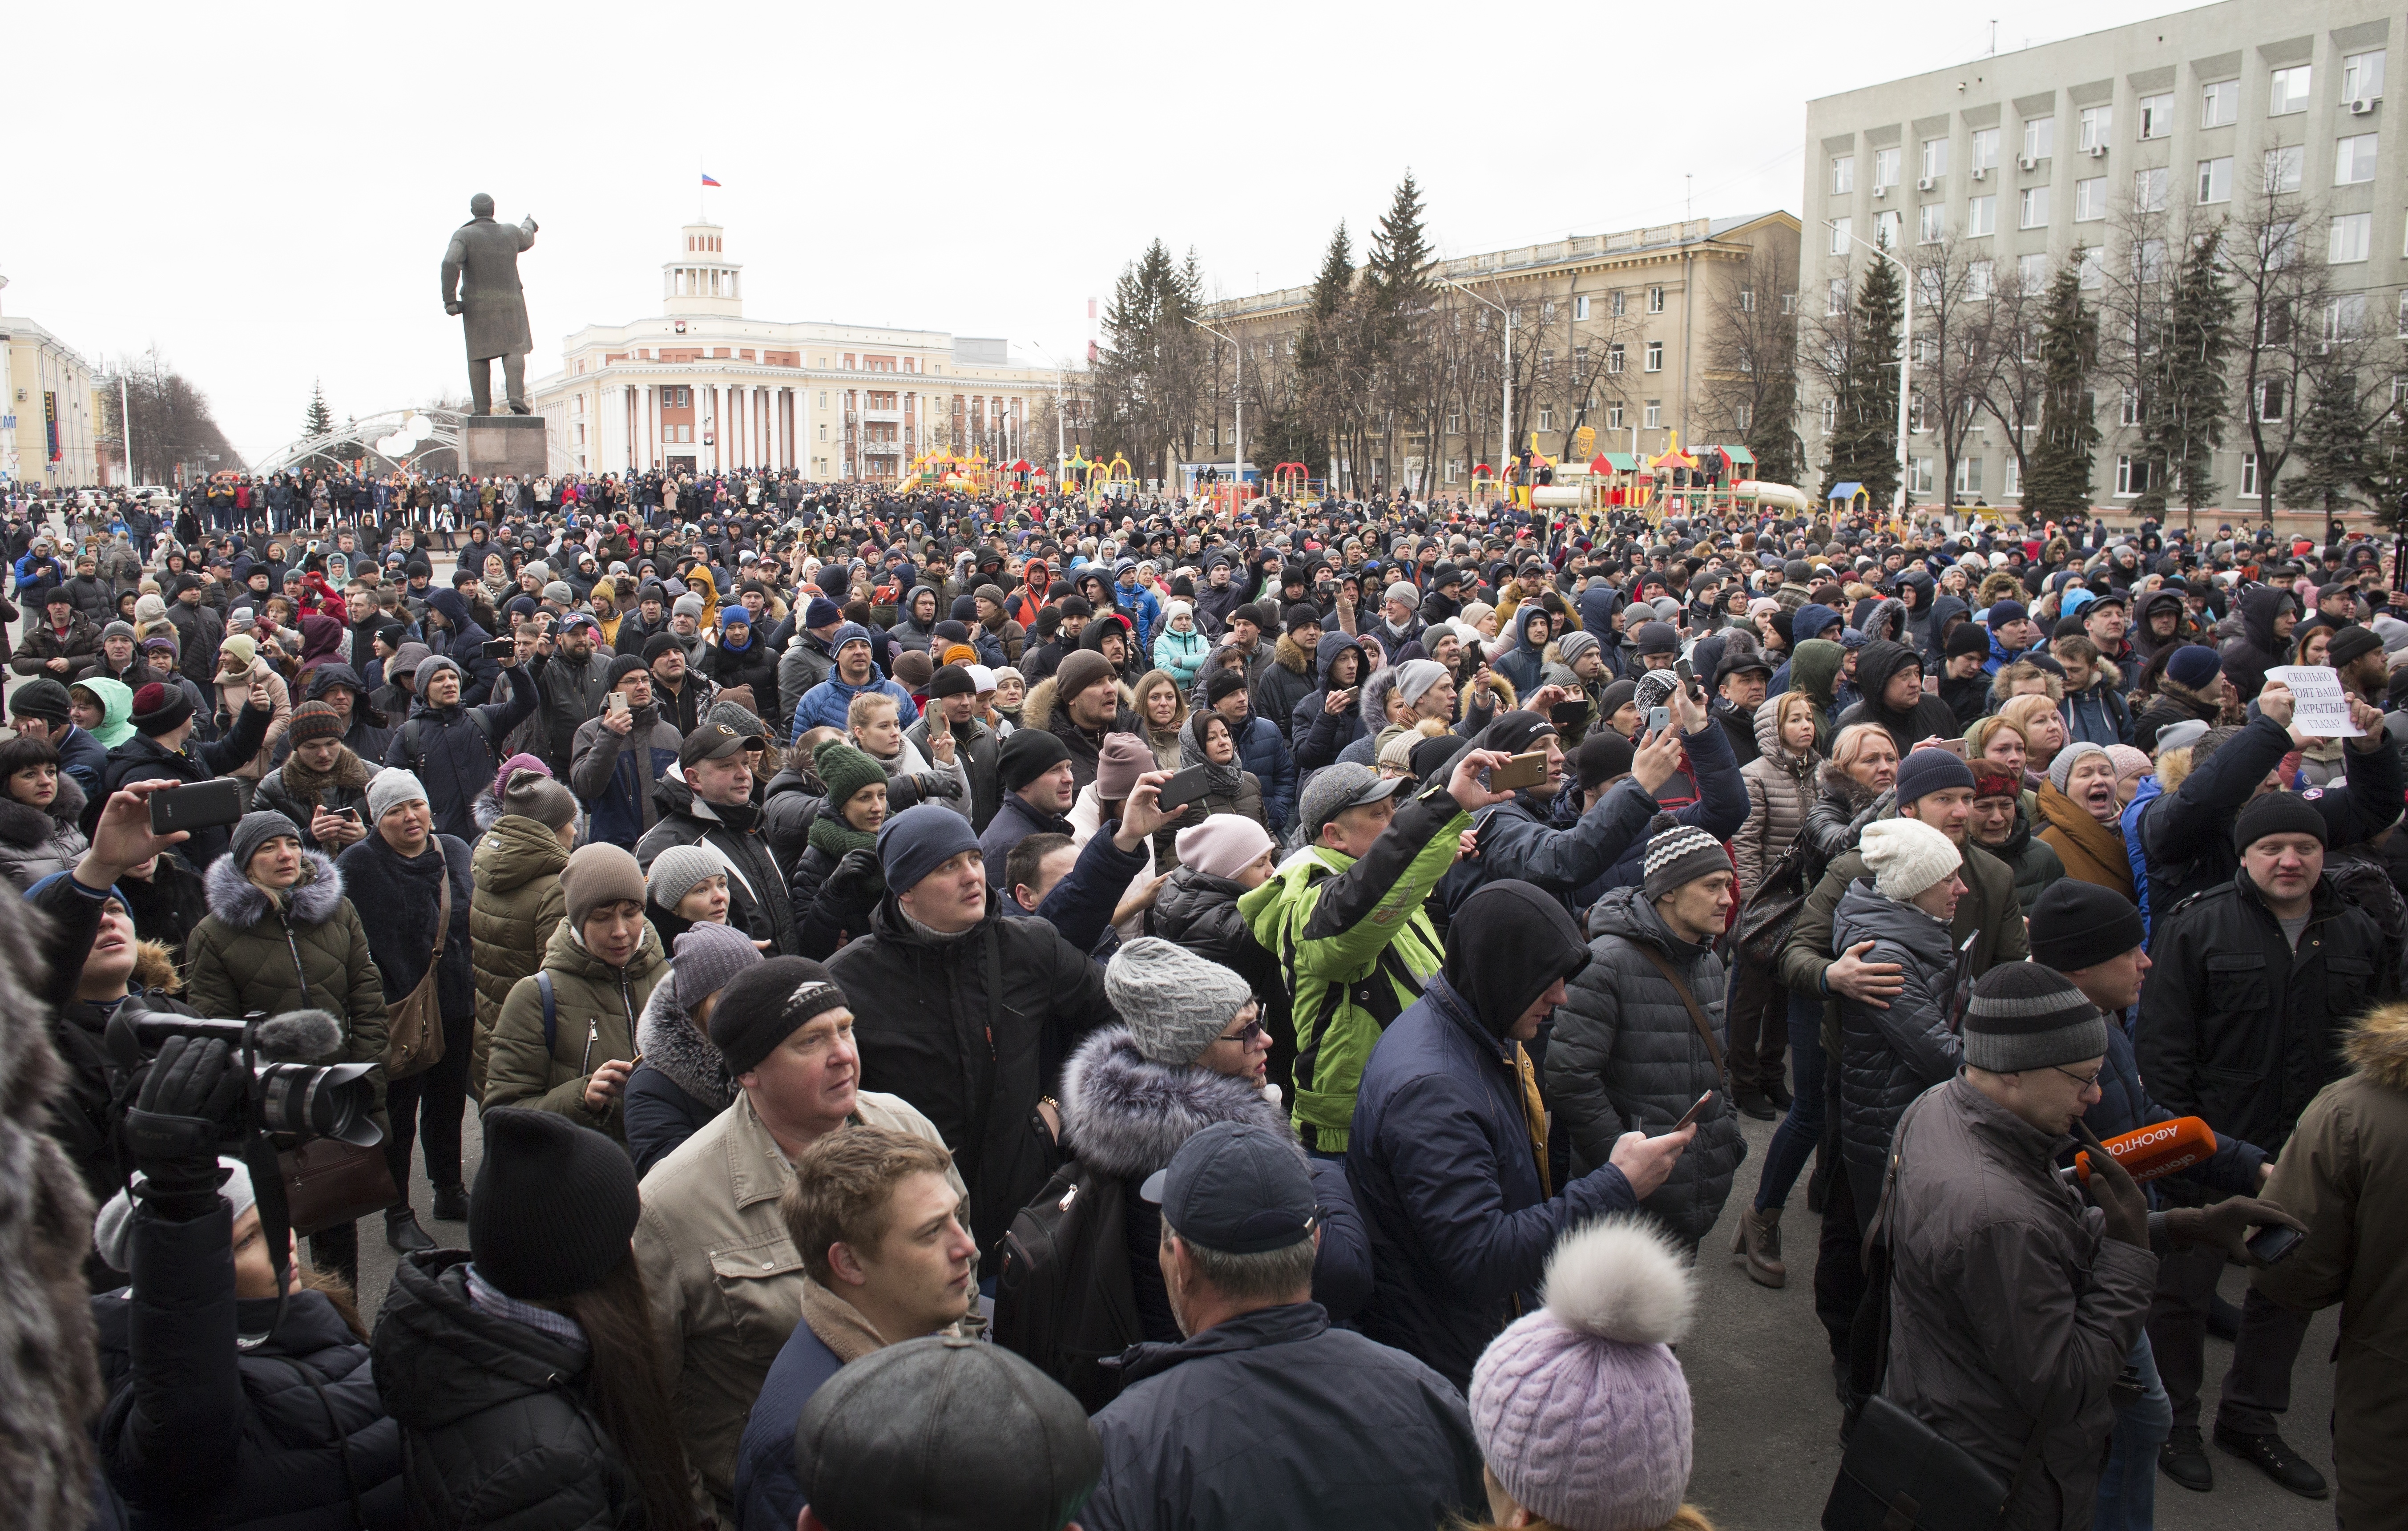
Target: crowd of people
x=1024 y=1011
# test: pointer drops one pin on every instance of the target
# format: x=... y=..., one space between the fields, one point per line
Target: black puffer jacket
x=1877 y=665
x=1625 y=1057
x=757 y=901
x=1315 y=733
x=1835 y=817
x=455 y=749
x=199 y=1434
x=496 y=1429
x=788 y=805
x=1889 y=1056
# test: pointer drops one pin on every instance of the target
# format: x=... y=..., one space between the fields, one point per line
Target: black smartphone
x=197 y=804
x=1568 y=714
x=1691 y=1114
x=502 y=649
x=1184 y=787
x=2275 y=1242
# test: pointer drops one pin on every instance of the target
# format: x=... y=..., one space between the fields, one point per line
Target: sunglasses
x=1244 y=1035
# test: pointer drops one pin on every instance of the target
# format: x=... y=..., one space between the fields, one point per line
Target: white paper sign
x=2322 y=708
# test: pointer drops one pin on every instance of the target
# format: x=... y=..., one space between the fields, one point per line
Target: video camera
x=287 y=1096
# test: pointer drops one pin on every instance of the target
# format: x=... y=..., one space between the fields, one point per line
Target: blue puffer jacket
x=824 y=706
x=1521 y=665
x=1440 y=1157
x=1320 y=733
x=1261 y=751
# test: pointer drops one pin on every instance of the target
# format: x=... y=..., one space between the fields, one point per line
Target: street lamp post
x=1236 y=403
x=1505 y=424
x=1905 y=351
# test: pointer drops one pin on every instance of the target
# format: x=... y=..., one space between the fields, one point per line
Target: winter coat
x=2172 y=703
x=86 y=759
x=1521 y=663
x=1877 y=664
x=464 y=643
x=1987 y=911
x=231 y=698
x=1274 y=1418
x=304 y=950
x=2091 y=851
x=788 y=805
x=1284 y=682
x=35 y=842
x=757 y=903
x=806 y=662
x=2097 y=713
x=1836 y=817
x=406 y=898
x=595 y=1007
x=515 y=905
x=1015 y=820
x=454 y=751
x=752 y=665
x=348 y=789
x=38 y=643
x=1358 y=945
x=1127 y=1116
x=2247 y=658
x=1627 y=1057
x=1780 y=786
x=682 y=1084
x=977 y=753
x=2238 y=1029
x=2011 y=1309
x=201 y=1433
x=1180 y=654
x=1315 y=733
x=143 y=758
x=1265 y=755
x=1888 y=1057
x=1441 y=1162
x=615 y=775
x=2032 y=860
x=827 y=704
x=1044 y=709
x=497 y=1428
x=570 y=692
x=976 y=1061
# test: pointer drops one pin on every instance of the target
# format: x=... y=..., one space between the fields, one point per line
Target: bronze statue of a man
x=480 y=279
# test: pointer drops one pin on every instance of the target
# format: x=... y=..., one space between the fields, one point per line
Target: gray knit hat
x=112 y=1227
x=254 y=830
x=1679 y=853
x=2023 y=1016
x=707 y=956
x=429 y=668
x=532 y=794
x=677 y=870
x=1174 y=1001
x=1574 y=644
x=687 y=605
x=2060 y=770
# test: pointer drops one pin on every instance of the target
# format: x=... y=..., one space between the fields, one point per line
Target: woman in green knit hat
x=837 y=879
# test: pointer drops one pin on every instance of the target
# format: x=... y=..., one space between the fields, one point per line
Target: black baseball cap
x=711 y=741
x=1235 y=1188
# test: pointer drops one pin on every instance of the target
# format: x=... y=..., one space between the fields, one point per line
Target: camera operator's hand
x=122 y=837
x=172 y=1128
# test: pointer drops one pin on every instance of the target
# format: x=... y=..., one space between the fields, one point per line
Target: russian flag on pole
x=707 y=182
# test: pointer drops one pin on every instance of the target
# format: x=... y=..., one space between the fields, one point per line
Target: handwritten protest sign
x=2322 y=709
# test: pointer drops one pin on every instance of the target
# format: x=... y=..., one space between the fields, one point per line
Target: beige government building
x=50 y=419
x=702 y=389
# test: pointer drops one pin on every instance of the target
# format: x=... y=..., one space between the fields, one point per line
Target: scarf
x=831 y=835
x=1223 y=781
x=307 y=787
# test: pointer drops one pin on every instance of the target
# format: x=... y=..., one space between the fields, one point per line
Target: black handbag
x=1770 y=911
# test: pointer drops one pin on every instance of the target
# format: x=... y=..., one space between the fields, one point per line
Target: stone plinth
x=495 y=446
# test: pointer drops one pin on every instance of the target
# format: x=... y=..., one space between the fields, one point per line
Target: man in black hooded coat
x=1889 y=678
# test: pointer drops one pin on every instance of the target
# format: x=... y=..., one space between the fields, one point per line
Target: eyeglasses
x=2089 y=1082
x=1245 y=1035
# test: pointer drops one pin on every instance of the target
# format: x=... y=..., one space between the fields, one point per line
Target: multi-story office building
x=48 y=417
x=700 y=387
x=2108 y=150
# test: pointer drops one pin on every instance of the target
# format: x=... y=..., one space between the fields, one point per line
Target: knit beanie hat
x=1223 y=845
x=1173 y=1002
x=554 y=1206
x=1080 y=670
x=844 y=770
x=2004 y=612
x=1679 y=853
x=2129 y=761
x=2078 y=924
x=2194 y=665
x=913 y=670
x=1989 y=781
x=821 y=612
x=915 y=842
x=2276 y=813
x=1907 y=855
x=157 y=708
x=765 y=1002
x=677 y=870
x=2023 y=1016
x=1123 y=758
x=1924 y=772
x=707 y=956
x=1221 y=683
x=254 y=830
x=236 y=654
x=688 y=604
x=1601 y=757
x=598 y=875
x=1968 y=640
x=2351 y=642
x=1581 y=1408
x=1574 y=644
x=112 y=1227
x=1415 y=677
x=2060 y=770
x=534 y=794
x=431 y=666
x=314 y=721
x=45 y=699
x=390 y=788
x=118 y=629
x=620 y=669
x=1026 y=754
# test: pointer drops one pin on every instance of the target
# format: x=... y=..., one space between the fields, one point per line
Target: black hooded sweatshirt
x=1876 y=663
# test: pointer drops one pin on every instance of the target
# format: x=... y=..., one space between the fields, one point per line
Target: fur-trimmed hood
x=1837 y=783
x=242 y=903
x=1127 y=1115
x=27 y=827
x=2377 y=1047
x=1291 y=655
x=1036 y=707
x=668 y=1038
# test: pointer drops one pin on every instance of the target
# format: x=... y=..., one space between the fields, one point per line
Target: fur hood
x=242 y=903
x=1290 y=655
x=27 y=827
x=1837 y=784
x=1127 y=1115
x=1036 y=707
x=2378 y=1047
x=670 y=1042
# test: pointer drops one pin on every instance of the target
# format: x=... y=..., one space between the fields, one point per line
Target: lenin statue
x=480 y=279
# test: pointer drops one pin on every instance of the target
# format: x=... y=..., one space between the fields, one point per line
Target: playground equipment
x=972 y=475
x=1295 y=483
x=1849 y=498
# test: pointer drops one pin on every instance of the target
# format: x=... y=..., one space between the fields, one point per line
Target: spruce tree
x=318 y=419
x=2056 y=484
x=1400 y=256
x=1864 y=431
x=2334 y=447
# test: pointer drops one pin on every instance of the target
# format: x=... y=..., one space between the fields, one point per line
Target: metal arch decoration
x=399 y=436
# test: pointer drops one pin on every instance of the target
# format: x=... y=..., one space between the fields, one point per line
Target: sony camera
x=288 y=1095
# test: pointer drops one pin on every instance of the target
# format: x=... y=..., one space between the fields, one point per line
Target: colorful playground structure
x=1699 y=480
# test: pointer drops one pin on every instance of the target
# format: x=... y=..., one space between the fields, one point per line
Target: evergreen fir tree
x=2334 y=445
x=1864 y=432
x=1400 y=256
x=318 y=419
x=2188 y=397
x=2056 y=484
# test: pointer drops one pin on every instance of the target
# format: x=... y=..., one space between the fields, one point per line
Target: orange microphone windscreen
x=2161 y=1148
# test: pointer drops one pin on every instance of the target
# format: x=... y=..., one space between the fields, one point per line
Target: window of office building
x=2249 y=490
x=1984 y=146
x=2290 y=91
x=2034 y=208
x=1977 y=280
x=1981 y=216
x=2353 y=160
x=1919 y=479
x=1656 y=299
x=1835 y=296
x=2098 y=126
x=2090 y=200
x=1931 y=223
x=1580 y=307
x=1830 y=415
x=2132 y=477
x=2156 y=116
x=2031 y=272
x=1615 y=304
x=2284 y=168
x=1885 y=228
x=2091 y=264
x=1654 y=414
x=2351 y=234
x=2216 y=181
x=2149 y=188
x=2039 y=137
x=1613 y=417
x=1654 y=355
x=2219 y=105
x=1844 y=175
x=2361 y=77
x=1969 y=476
x=1935 y=158
x=1613 y=357
x=1885 y=168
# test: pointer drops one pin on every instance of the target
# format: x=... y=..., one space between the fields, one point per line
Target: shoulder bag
x=1696 y=1012
x=1770 y=911
x=414 y=1026
x=327 y=1182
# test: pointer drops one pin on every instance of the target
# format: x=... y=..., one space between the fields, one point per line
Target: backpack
x=1064 y=1300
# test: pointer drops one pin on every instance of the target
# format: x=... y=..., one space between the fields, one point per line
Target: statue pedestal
x=498 y=446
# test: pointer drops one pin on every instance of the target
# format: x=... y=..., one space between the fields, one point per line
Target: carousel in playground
x=1716 y=480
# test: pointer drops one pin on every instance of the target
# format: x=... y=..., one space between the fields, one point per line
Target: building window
x=1747 y=300
x=2350 y=237
x=1840 y=236
x=1985 y=146
x=2216 y=181
x=1931 y=223
x=1580 y=307
x=2090 y=200
x=1741 y=415
x=1978 y=281
x=1830 y=414
x=2156 y=116
x=1844 y=175
x=1914 y=426
x=1613 y=417
x=1884 y=169
x=2403 y=316
x=1834 y=297
x=2039 y=138
x=1887 y=226
x=2346 y=316
x=2219 y=105
x=2128 y=413
x=2098 y=126
x=1918 y=479
x=2132 y=477
x=824 y=432
x=1969 y=476
x=1455 y=424
x=1613 y=357
x=2352 y=159
x=2149 y=260
x=1935 y=158
x=1789 y=303
x=2091 y=266
x=1546 y=418
x=1656 y=296
x=1654 y=355
x=1655 y=417
x=2032 y=271
x=2034 y=208
x=2283 y=168
x=1981 y=216
x=2249 y=490
x=2290 y=92
x=2269 y=401
x=1615 y=304
x=2361 y=77
x=2149 y=190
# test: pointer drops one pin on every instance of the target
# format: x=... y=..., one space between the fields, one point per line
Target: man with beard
x=2356 y=653
x=709 y=798
x=572 y=676
x=1086 y=705
x=682 y=695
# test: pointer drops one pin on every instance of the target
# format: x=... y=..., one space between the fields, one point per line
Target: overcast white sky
x=264 y=192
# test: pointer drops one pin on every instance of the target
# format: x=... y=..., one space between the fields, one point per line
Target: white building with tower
x=700 y=387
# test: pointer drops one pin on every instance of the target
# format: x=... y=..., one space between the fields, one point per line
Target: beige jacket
x=725 y=1280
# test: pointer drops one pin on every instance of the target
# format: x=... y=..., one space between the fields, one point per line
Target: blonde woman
x=2042 y=726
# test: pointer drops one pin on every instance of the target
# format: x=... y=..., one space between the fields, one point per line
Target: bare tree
x=2281 y=294
x=1751 y=362
x=2016 y=379
x=1955 y=346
